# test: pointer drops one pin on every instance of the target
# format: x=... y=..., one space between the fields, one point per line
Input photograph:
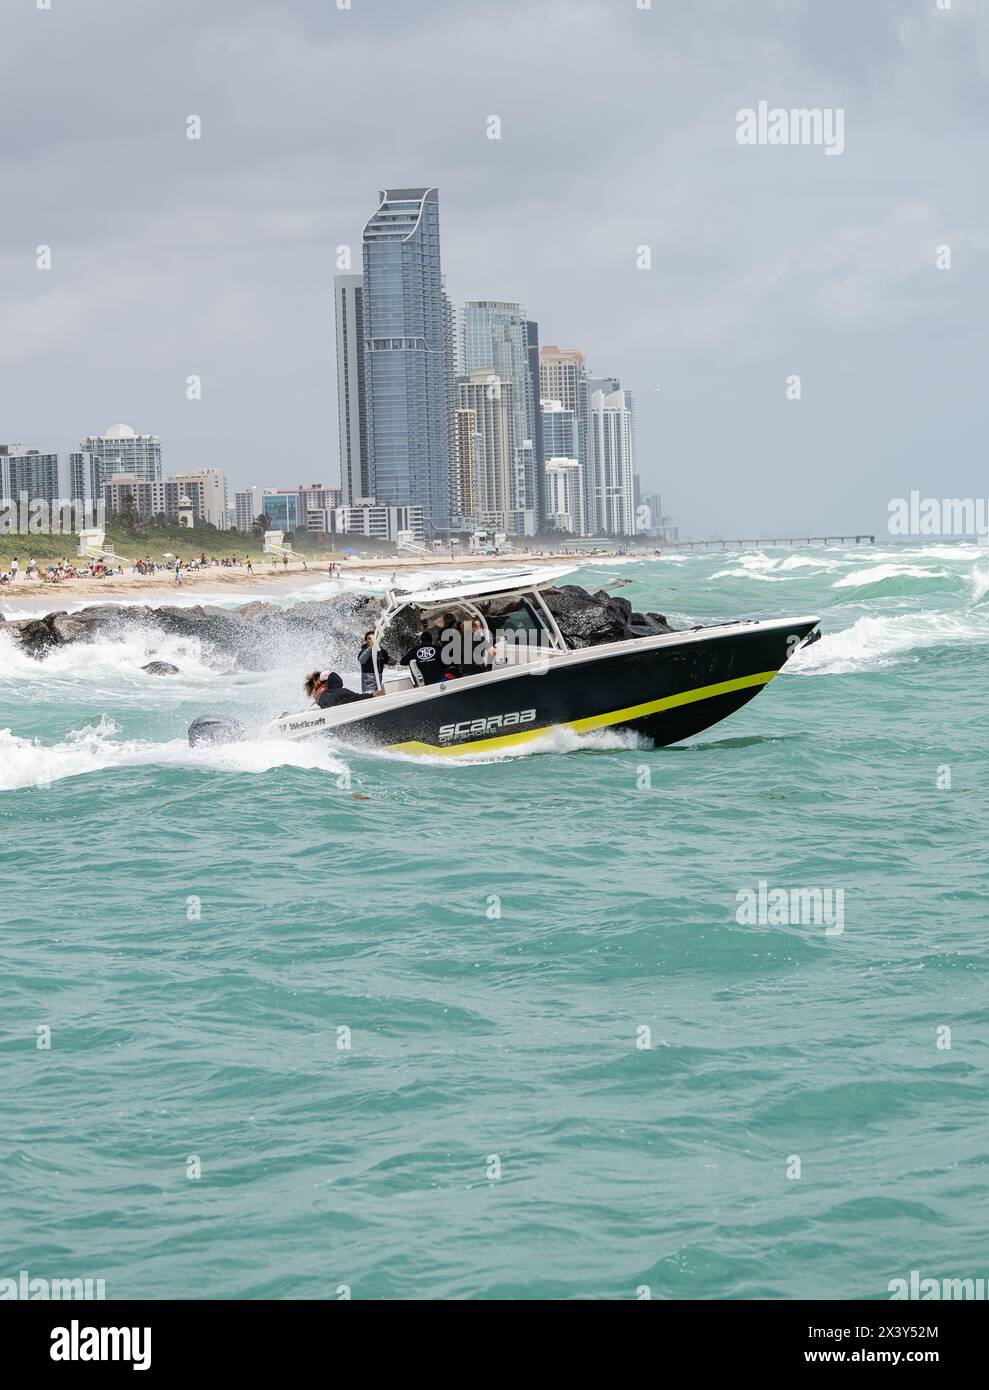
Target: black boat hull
x=667 y=691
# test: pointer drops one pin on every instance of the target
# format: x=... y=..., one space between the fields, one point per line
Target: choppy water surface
x=200 y=928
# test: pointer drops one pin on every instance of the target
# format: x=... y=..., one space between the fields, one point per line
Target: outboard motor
x=215 y=728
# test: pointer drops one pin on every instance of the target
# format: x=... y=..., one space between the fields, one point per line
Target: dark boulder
x=96 y=621
x=253 y=611
x=648 y=625
x=583 y=620
x=260 y=636
x=160 y=668
x=606 y=600
x=214 y=729
x=35 y=635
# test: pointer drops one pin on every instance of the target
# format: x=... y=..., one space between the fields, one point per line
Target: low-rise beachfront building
x=177 y=499
x=213 y=483
x=368 y=518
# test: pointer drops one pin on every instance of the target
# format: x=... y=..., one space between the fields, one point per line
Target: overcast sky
x=172 y=257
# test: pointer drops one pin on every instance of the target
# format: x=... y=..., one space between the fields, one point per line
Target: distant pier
x=863 y=539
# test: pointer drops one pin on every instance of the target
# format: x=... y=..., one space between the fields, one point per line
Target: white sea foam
x=115 y=660
x=884 y=641
x=797 y=562
x=979 y=582
x=875 y=574
x=554 y=741
x=963 y=552
x=97 y=748
x=756 y=560
x=749 y=574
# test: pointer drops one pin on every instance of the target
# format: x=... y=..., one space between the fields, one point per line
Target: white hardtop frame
x=516 y=584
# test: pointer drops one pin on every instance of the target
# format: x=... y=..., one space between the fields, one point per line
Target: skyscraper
x=563 y=378
x=538 y=450
x=464 y=502
x=564 y=476
x=495 y=336
x=565 y=496
x=485 y=402
x=559 y=430
x=652 y=513
x=611 y=454
x=454 y=369
x=406 y=332
x=348 y=299
x=82 y=477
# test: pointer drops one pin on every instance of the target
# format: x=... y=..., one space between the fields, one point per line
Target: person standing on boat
x=366 y=658
x=478 y=647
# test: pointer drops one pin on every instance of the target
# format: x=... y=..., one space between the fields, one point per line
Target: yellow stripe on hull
x=583 y=726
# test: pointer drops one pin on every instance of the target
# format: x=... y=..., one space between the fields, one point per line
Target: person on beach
x=250 y=567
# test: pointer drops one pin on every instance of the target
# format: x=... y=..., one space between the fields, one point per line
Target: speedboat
x=667 y=687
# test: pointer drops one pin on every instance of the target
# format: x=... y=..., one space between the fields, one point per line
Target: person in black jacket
x=366 y=658
x=425 y=658
x=328 y=690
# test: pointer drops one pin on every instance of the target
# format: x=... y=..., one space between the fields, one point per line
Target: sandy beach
x=35 y=596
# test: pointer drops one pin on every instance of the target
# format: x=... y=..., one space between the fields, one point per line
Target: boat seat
x=395 y=683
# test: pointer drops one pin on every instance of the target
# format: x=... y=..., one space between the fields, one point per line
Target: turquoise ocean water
x=497 y=938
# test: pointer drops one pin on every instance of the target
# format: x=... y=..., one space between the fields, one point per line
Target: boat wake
x=556 y=741
x=98 y=747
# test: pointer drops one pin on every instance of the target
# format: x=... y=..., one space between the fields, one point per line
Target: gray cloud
x=173 y=257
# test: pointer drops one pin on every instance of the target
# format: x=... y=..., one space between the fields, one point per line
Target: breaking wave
x=880 y=574
x=884 y=641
